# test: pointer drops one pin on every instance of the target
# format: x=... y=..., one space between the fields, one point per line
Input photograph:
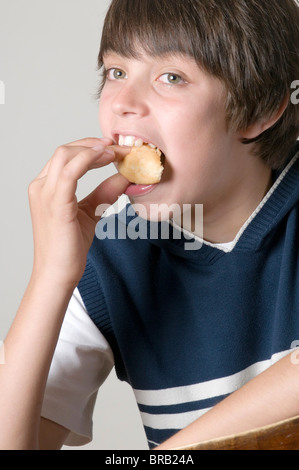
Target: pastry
x=142 y=165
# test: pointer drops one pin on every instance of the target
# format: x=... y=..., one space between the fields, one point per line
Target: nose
x=130 y=101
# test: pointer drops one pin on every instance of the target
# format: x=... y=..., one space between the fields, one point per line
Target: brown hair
x=252 y=46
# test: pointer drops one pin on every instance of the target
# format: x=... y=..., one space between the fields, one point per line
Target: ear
x=259 y=127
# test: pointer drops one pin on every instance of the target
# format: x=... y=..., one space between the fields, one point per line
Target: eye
x=115 y=74
x=171 y=79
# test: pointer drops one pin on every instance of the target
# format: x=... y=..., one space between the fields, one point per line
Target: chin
x=156 y=212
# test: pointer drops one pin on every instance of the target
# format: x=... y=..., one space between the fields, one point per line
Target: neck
x=224 y=217
x=230 y=201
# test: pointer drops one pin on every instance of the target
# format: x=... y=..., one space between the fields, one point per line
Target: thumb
x=105 y=195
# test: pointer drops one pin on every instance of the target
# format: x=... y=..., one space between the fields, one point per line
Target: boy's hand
x=63 y=229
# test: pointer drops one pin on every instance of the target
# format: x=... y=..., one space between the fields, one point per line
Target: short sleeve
x=82 y=361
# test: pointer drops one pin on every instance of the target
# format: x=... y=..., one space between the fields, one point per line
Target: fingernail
x=106 y=140
x=109 y=154
x=98 y=148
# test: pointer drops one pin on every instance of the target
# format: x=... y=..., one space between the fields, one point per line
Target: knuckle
x=32 y=189
x=62 y=149
x=89 y=141
x=36 y=196
x=66 y=173
x=83 y=157
x=61 y=153
x=84 y=154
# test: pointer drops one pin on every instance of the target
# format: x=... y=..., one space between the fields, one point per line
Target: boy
x=203 y=336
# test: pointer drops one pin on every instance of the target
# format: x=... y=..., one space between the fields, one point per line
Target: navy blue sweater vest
x=189 y=327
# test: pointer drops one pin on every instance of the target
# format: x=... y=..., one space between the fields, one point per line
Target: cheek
x=196 y=122
x=103 y=115
x=199 y=145
x=202 y=133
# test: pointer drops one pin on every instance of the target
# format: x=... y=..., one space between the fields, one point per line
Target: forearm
x=63 y=231
x=29 y=348
x=270 y=397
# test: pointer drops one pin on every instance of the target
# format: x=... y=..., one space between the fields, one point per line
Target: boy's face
x=170 y=102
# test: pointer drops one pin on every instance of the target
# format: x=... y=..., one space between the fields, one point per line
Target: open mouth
x=143 y=166
x=132 y=141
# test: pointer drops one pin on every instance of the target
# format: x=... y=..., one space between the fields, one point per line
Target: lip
x=138 y=190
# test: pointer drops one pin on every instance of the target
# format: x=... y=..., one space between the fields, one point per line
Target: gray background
x=48 y=55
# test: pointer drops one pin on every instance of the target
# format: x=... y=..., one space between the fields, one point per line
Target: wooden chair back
x=279 y=436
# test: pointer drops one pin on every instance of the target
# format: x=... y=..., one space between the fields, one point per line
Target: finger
x=56 y=162
x=91 y=142
x=78 y=166
x=44 y=171
x=88 y=157
x=86 y=142
x=120 y=152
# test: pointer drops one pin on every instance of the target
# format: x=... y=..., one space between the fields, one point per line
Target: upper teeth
x=131 y=141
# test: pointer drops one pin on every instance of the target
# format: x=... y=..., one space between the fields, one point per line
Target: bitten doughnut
x=142 y=165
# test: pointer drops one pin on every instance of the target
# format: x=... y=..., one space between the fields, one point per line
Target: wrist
x=53 y=279
x=51 y=285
